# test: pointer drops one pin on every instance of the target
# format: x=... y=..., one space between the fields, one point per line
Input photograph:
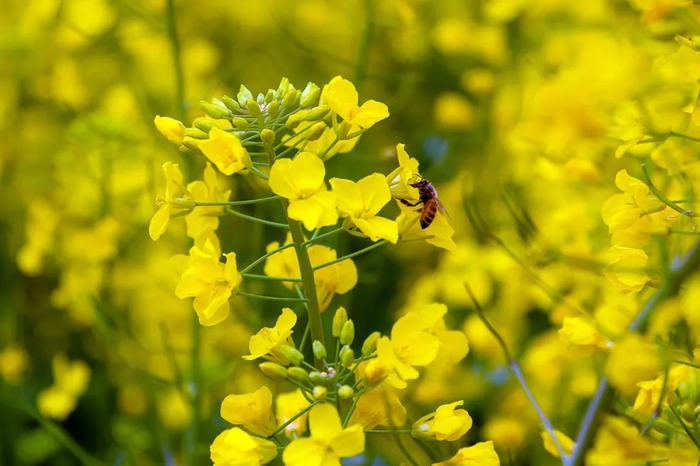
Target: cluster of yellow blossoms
x=283 y=139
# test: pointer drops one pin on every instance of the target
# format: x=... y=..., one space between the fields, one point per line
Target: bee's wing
x=441 y=207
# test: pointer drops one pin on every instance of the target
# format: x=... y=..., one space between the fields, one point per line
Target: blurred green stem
x=195 y=387
x=678 y=274
x=177 y=60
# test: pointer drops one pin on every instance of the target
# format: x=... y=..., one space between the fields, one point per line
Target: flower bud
x=244 y=96
x=339 y=319
x=317 y=131
x=317 y=113
x=191 y=143
x=319 y=350
x=240 y=123
x=214 y=110
x=342 y=130
x=298 y=374
x=196 y=133
x=267 y=136
x=347 y=356
x=273 y=370
x=319 y=393
x=295 y=118
x=309 y=96
x=293 y=355
x=374 y=372
x=345 y=392
x=316 y=377
x=273 y=108
x=231 y=104
x=291 y=99
x=205 y=124
x=253 y=108
x=370 y=344
x=347 y=334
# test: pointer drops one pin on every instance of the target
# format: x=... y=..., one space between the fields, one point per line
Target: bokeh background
x=514 y=109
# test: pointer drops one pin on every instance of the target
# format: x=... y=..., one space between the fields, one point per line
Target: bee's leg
x=405 y=202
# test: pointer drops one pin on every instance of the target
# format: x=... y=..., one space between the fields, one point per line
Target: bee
x=427 y=195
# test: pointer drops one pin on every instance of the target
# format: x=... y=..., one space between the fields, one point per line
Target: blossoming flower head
x=176 y=200
x=361 y=201
x=236 y=447
x=268 y=339
x=225 y=151
x=253 y=411
x=301 y=181
x=210 y=282
x=446 y=423
x=341 y=96
x=328 y=441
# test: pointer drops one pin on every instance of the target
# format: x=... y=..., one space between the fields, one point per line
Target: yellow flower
x=480 y=454
x=176 y=200
x=235 y=447
x=379 y=406
x=453 y=112
x=438 y=234
x=302 y=182
x=71 y=379
x=341 y=96
x=288 y=405
x=13 y=363
x=506 y=432
x=211 y=189
x=225 y=151
x=337 y=278
x=566 y=443
x=328 y=442
x=253 y=411
x=446 y=423
x=268 y=339
x=579 y=332
x=650 y=390
x=172 y=129
x=400 y=178
x=174 y=409
x=626 y=372
x=361 y=202
x=209 y=282
x=627 y=268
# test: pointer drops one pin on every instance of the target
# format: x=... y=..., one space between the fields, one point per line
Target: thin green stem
x=265 y=256
x=323 y=154
x=684 y=136
x=318 y=237
x=177 y=60
x=662 y=197
x=271 y=298
x=517 y=372
x=255 y=276
x=685 y=427
x=258 y=173
x=351 y=255
x=292 y=419
x=235 y=213
x=402 y=448
x=229 y=203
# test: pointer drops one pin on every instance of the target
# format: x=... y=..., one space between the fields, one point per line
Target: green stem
x=177 y=60
x=662 y=198
x=351 y=255
x=317 y=237
x=685 y=427
x=243 y=202
x=254 y=276
x=517 y=372
x=235 y=213
x=293 y=418
x=192 y=433
x=265 y=256
x=270 y=298
x=670 y=288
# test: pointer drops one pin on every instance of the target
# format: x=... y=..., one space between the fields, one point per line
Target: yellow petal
x=303 y=452
x=566 y=443
x=159 y=222
x=348 y=198
x=350 y=442
x=375 y=193
x=370 y=113
x=341 y=97
x=377 y=228
x=225 y=151
x=324 y=422
x=172 y=129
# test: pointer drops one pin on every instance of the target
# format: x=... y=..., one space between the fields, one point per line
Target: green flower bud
x=342 y=130
x=688 y=411
x=273 y=370
x=244 y=96
x=191 y=143
x=240 y=123
x=295 y=118
x=283 y=87
x=316 y=377
x=309 y=96
x=291 y=99
x=267 y=136
x=273 y=108
x=317 y=113
x=292 y=354
x=370 y=344
x=317 y=131
x=319 y=350
x=663 y=427
x=345 y=392
x=319 y=393
x=339 y=319
x=347 y=334
x=298 y=374
x=347 y=356
x=196 y=133
x=253 y=108
x=215 y=110
x=231 y=104
x=205 y=124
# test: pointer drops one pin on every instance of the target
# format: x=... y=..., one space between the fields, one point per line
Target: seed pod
x=273 y=370
x=339 y=319
x=347 y=334
x=319 y=350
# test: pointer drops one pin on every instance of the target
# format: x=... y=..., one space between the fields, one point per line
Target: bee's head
x=417 y=181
